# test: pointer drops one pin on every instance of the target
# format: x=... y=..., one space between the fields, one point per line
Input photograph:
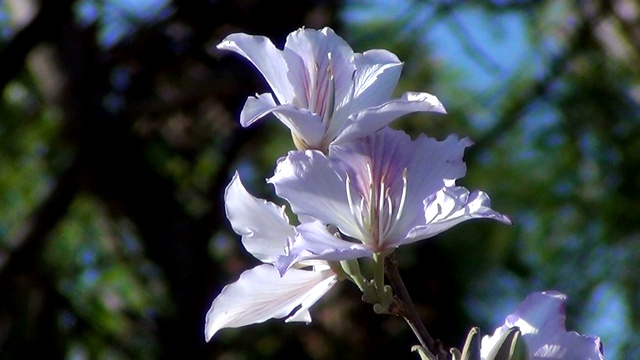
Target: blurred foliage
x=118 y=134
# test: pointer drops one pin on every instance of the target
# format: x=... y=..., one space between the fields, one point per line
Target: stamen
x=362 y=220
x=388 y=223
x=372 y=199
x=313 y=89
x=331 y=101
x=351 y=207
x=380 y=216
x=404 y=194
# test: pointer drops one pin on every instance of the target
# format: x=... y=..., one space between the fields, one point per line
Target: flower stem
x=378 y=271
x=407 y=310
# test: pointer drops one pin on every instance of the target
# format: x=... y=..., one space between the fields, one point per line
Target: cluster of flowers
x=359 y=189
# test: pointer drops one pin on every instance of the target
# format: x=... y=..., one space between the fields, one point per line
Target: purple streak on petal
x=315 y=189
x=434 y=164
x=307 y=53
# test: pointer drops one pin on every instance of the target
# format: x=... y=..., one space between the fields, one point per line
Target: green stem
x=378 y=272
x=408 y=311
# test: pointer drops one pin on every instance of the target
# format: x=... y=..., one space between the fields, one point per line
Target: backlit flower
x=381 y=192
x=324 y=92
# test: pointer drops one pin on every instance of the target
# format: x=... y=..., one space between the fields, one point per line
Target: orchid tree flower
x=381 y=192
x=540 y=319
x=261 y=293
x=323 y=91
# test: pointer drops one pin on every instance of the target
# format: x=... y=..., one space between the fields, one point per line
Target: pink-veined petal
x=261 y=294
x=269 y=60
x=263 y=225
x=314 y=242
x=313 y=56
x=541 y=320
x=451 y=206
x=373 y=119
x=312 y=187
x=434 y=164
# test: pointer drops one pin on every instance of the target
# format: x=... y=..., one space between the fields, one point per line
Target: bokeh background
x=119 y=133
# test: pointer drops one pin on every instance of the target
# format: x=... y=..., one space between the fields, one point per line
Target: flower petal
x=373 y=119
x=540 y=318
x=261 y=294
x=314 y=54
x=314 y=242
x=377 y=74
x=256 y=107
x=451 y=206
x=265 y=57
x=303 y=124
x=313 y=188
x=263 y=225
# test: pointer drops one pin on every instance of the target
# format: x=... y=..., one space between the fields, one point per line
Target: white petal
x=377 y=74
x=307 y=54
x=261 y=294
x=373 y=119
x=451 y=206
x=256 y=107
x=314 y=242
x=313 y=188
x=433 y=165
x=302 y=123
x=265 y=57
x=264 y=226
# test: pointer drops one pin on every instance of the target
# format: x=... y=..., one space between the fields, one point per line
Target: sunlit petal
x=451 y=206
x=256 y=107
x=373 y=119
x=313 y=188
x=261 y=52
x=261 y=294
x=264 y=226
x=314 y=242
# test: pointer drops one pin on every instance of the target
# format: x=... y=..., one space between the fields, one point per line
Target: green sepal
x=352 y=270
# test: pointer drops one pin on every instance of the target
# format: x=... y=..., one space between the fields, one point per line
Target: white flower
x=261 y=293
x=324 y=92
x=381 y=192
x=540 y=318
